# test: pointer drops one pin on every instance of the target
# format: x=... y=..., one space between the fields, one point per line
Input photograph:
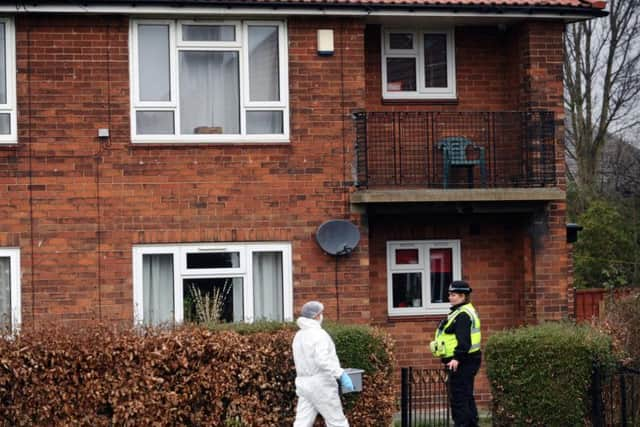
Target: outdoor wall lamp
x=325 y=42
x=572 y=232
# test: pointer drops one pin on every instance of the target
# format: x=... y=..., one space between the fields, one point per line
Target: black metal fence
x=424 y=398
x=615 y=397
x=455 y=149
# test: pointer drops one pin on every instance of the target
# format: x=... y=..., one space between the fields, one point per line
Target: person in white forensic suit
x=317 y=369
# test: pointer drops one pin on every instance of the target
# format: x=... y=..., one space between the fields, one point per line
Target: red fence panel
x=588 y=303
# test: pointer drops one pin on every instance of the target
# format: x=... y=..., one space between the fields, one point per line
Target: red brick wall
x=482 y=73
x=517 y=264
x=492 y=262
x=77 y=205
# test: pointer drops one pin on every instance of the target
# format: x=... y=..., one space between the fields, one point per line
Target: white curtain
x=5 y=291
x=267 y=286
x=264 y=81
x=209 y=92
x=5 y=119
x=264 y=122
x=3 y=65
x=238 y=300
x=157 y=288
x=153 y=63
x=154 y=123
x=263 y=63
x=215 y=33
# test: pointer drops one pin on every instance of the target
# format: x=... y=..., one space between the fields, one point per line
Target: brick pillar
x=541 y=54
x=550 y=265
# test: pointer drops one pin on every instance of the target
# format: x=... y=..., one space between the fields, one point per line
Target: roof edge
x=590 y=9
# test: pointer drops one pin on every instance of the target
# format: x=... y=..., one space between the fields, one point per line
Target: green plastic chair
x=454 y=150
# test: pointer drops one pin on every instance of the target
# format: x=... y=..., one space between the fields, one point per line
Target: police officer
x=457 y=343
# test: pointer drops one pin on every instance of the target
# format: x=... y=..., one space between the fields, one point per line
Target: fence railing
x=424 y=398
x=455 y=149
x=615 y=397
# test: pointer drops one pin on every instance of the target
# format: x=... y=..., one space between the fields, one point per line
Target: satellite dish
x=338 y=236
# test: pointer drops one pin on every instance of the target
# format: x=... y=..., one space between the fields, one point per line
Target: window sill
x=395 y=318
x=191 y=144
x=417 y=101
x=439 y=312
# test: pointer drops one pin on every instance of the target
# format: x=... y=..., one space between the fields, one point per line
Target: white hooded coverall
x=317 y=368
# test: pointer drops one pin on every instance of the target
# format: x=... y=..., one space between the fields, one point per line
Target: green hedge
x=191 y=375
x=540 y=375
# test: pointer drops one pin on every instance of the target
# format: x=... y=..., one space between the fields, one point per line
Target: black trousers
x=460 y=383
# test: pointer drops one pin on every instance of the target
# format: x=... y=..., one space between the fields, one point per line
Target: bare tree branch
x=602 y=87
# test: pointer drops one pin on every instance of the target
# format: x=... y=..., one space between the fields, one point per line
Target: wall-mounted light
x=572 y=232
x=325 y=42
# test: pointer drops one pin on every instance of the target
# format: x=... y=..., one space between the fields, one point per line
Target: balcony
x=447 y=156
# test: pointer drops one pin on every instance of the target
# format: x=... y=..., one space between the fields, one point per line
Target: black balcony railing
x=455 y=150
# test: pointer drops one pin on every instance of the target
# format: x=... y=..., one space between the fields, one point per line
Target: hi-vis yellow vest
x=444 y=344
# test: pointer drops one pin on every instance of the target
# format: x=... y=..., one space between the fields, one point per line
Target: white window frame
x=423 y=267
x=240 y=46
x=14 y=264
x=242 y=253
x=421 y=92
x=10 y=106
x=180 y=272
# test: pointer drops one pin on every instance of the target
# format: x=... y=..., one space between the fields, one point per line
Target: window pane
x=435 y=60
x=264 y=84
x=401 y=74
x=211 y=300
x=267 y=286
x=154 y=123
x=441 y=273
x=262 y=122
x=157 y=288
x=406 y=256
x=153 y=63
x=208 y=33
x=407 y=289
x=5 y=124
x=401 y=41
x=5 y=293
x=3 y=64
x=209 y=92
x=213 y=260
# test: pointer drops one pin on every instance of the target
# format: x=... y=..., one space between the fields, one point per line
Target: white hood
x=306 y=323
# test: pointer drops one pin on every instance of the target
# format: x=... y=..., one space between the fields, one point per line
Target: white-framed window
x=209 y=81
x=418 y=64
x=8 y=120
x=247 y=282
x=10 y=289
x=418 y=275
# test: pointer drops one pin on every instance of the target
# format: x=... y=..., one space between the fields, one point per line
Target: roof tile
x=590 y=4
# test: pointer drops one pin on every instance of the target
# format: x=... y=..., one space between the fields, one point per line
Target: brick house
x=151 y=149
